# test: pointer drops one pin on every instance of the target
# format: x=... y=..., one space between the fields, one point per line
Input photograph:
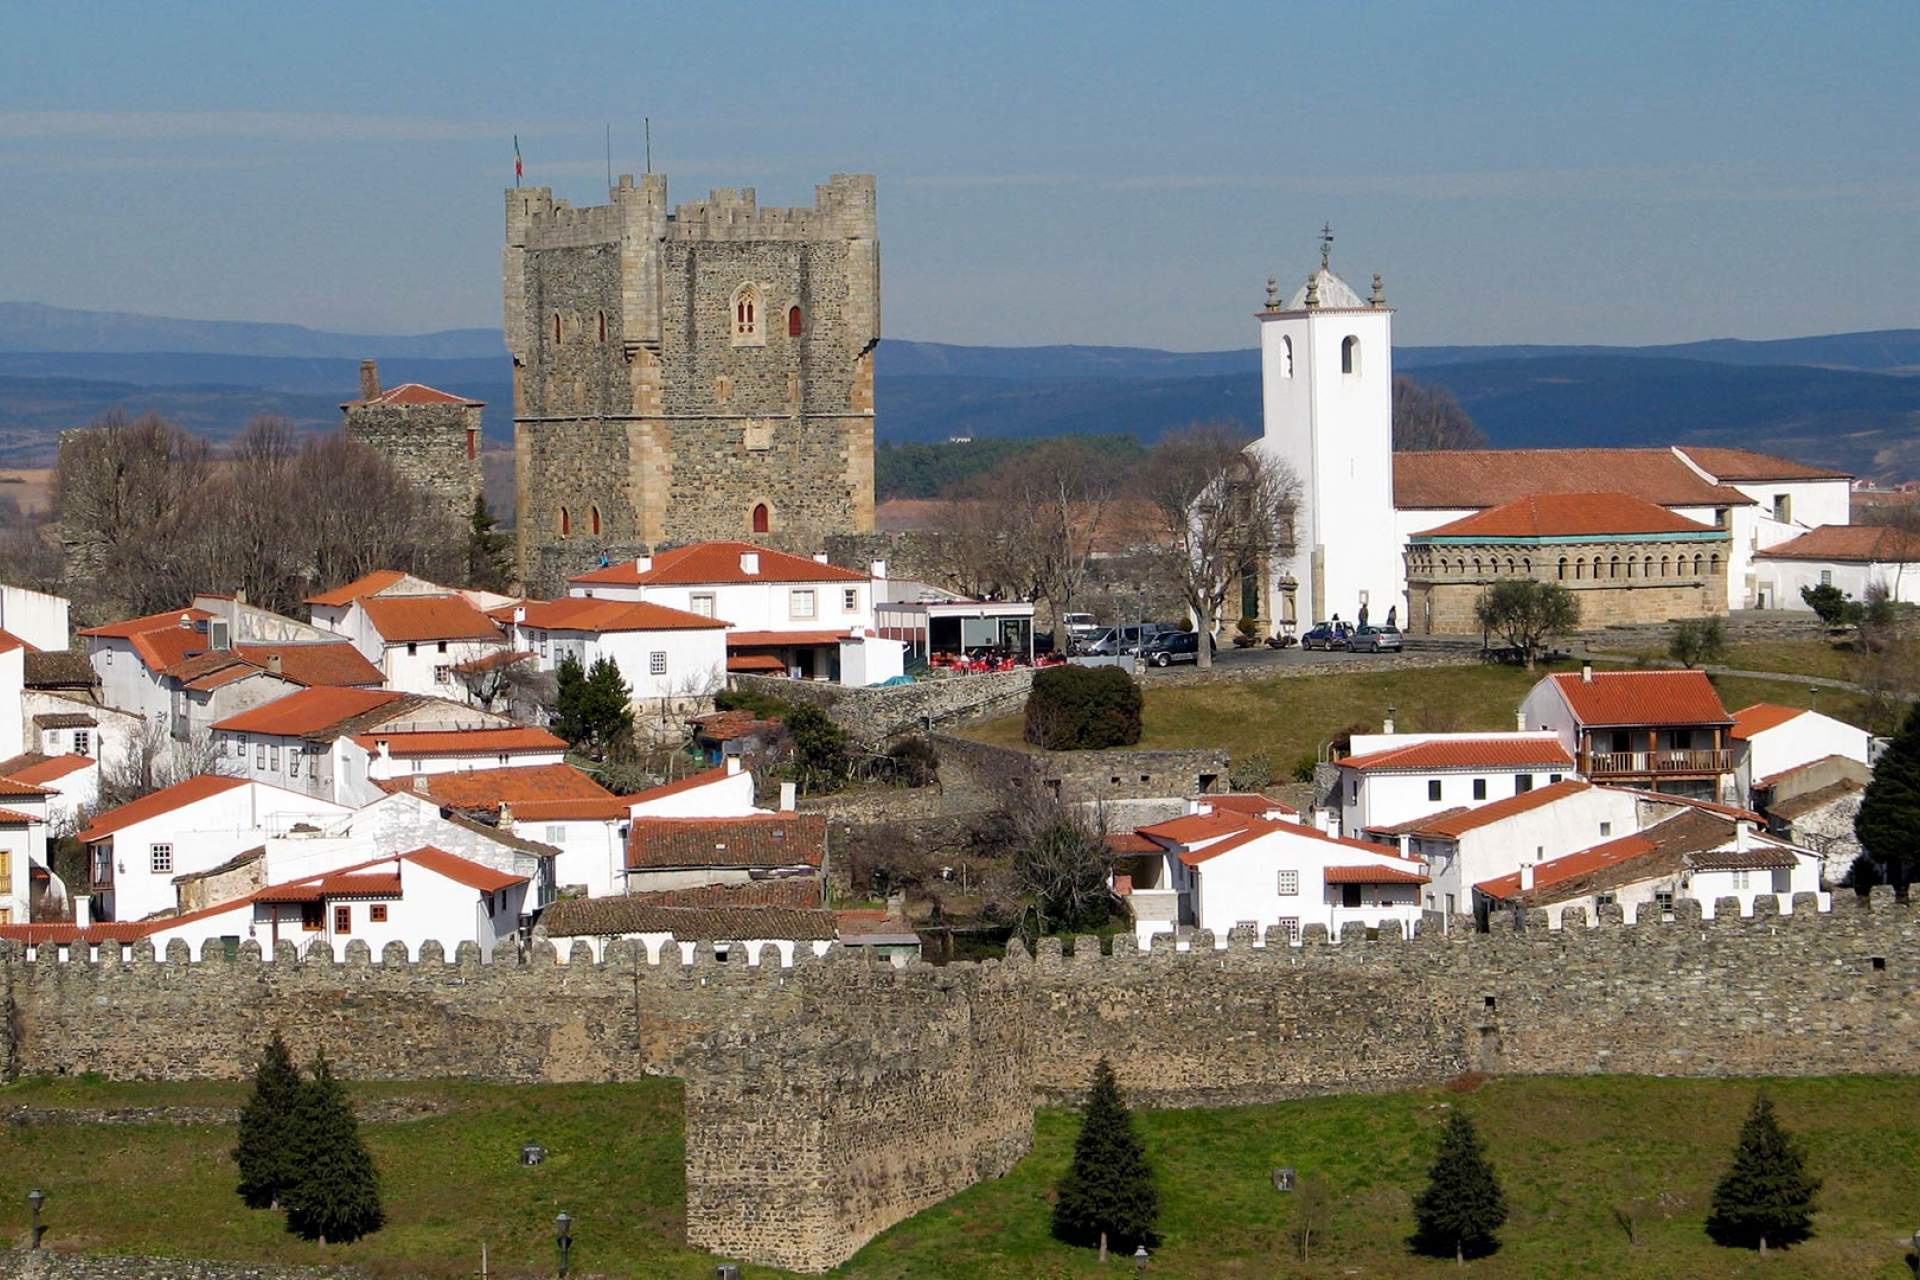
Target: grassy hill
x=1571 y=1153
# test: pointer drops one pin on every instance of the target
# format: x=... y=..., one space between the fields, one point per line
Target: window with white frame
x=800 y=603
x=293 y=763
x=161 y=856
x=106 y=657
x=1826 y=577
x=260 y=755
x=1433 y=788
x=657 y=662
x=556 y=833
x=82 y=742
x=273 y=758
x=850 y=600
x=1289 y=885
x=443 y=675
x=1742 y=879
x=701 y=602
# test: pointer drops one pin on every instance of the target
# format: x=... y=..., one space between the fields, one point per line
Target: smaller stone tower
x=431 y=437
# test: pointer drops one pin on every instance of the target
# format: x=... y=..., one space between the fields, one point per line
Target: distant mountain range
x=1847 y=400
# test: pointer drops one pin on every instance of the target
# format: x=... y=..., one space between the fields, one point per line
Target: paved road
x=1261 y=656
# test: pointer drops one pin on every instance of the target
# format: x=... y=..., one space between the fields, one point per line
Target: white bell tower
x=1326 y=372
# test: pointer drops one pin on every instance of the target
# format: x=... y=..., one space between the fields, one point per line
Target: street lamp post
x=563 y=1236
x=35 y=1200
x=1140 y=1260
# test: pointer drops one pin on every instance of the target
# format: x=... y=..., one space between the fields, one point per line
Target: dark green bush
x=1083 y=708
x=915 y=762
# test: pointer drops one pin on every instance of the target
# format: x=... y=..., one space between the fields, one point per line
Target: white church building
x=1326 y=360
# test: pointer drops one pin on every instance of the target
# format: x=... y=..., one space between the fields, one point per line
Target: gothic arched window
x=1563 y=568
x=556 y=326
x=762 y=518
x=593 y=519
x=1286 y=356
x=796 y=323
x=566 y=523
x=603 y=326
x=746 y=316
x=1350 y=354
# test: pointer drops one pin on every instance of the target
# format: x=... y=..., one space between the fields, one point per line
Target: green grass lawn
x=1569 y=1151
x=1291 y=717
x=1804 y=656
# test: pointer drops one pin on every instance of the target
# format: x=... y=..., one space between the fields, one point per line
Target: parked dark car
x=1327 y=635
x=1170 y=647
x=1375 y=640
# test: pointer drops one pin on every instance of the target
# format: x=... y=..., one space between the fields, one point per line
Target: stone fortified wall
x=828 y=1100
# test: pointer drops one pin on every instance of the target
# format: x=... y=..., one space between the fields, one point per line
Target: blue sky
x=1113 y=173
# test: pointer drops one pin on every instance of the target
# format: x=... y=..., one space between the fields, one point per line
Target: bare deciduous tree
x=1428 y=417
x=152 y=760
x=1223 y=509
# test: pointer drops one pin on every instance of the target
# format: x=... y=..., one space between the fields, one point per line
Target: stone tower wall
x=428 y=444
x=635 y=402
x=831 y=1099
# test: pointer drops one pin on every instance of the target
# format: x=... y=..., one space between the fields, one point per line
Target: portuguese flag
x=519 y=169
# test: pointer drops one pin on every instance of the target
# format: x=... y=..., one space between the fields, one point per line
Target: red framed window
x=377 y=913
x=343 y=918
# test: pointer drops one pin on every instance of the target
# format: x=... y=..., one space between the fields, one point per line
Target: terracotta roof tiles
x=410 y=619
x=1463 y=752
x=1365 y=874
x=1850 y=543
x=310 y=663
x=40 y=770
x=762 y=840
x=1762 y=716
x=1745 y=464
x=1662 y=849
x=584 y=613
x=166 y=800
x=320 y=712
x=1457 y=822
x=1452 y=479
x=1642 y=698
x=704 y=562
x=414 y=393
x=521 y=788
x=455 y=742
x=1569 y=515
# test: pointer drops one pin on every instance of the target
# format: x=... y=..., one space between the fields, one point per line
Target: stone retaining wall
x=1114 y=774
x=875 y=717
x=53 y=1264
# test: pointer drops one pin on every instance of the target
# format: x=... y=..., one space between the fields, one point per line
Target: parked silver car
x=1375 y=640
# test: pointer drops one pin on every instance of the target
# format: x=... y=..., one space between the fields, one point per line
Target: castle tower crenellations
x=695 y=371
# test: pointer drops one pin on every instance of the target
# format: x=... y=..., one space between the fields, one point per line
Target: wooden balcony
x=1654 y=764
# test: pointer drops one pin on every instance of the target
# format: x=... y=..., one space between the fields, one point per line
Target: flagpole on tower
x=518 y=168
x=649 y=122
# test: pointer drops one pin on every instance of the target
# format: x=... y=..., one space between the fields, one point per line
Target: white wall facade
x=1783 y=580
x=13 y=683
x=36 y=617
x=21 y=845
x=1334 y=430
x=1566 y=825
x=836 y=605
x=1388 y=797
x=426 y=666
x=125 y=681
x=1807 y=737
x=690 y=663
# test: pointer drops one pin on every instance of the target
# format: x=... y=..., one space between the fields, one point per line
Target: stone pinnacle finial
x=1379 y=298
x=1273 y=293
x=1313 y=291
x=1326 y=246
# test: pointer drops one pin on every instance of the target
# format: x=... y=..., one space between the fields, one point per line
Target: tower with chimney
x=432 y=437
x=700 y=372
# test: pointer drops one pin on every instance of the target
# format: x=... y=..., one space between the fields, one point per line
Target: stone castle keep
x=431 y=437
x=695 y=374
x=827 y=1101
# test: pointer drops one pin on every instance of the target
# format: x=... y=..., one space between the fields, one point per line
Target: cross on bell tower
x=1326 y=246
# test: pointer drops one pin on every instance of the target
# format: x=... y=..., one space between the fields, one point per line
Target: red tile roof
x=1198 y=826
x=763 y=840
x=1762 y=716
x=781 y=639
x=158 y=639
x=315 y=663
x=780 y=891
x=704 y=562
x=365 y=585
x=458 y=742
x=1452 y=479
x=1457 y=822
x=20 y=788
x=1124 y=843
x=178 y=796
x=1247 y=802
x=14 y=818
x=9 y=642
x=130 y=627
x=725 y=726
x=1853 y=543
x=413 y=393
x=310 y=711
x=67 y=934
x=1569 y=515
x=40 y=770
x=1642 y=697
x=751 y=662
x=583 y=613
x=1744 y=464
x=517 y=787
x=1374 y=875
x=691 y=782
x=463 y=870
x=403 y=619
x=1665 y=848
x=335 y=884
x=1258 y=827
x=1463 y=752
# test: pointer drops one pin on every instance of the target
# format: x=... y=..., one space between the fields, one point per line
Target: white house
x=130 y=658
x=779 y=608
x=1326 y=381
x=671 y=659
x=13 y=688
x=1392 y=778
x=339 y=744
x=686 y=853
x=23 y=846
x=135 y=851
x=1463 y=847
x=1853 y=557
x=1695 y=853
x=1779 y=739
x=38 y=619
x=424 y=895
x=414 y=631
x=1662 y=730
x=72 y=783
x=1222 y=869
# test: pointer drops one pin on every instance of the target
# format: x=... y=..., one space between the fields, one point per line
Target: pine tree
x=1463 y=1206
x=607 y=705
x=1888 y=823
x=265 y=1150
x=336 y=1193
x=488 y=565
x=1767 y=1196
x=569 y=707
x=1109 y=1188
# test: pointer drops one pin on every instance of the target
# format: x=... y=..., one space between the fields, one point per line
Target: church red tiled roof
x=1569 y=515
x=1450 y=479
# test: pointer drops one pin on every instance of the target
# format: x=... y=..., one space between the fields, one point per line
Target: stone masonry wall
x=1116 y=774
x=428 y=444
x=828 y=1100
x=873 y=717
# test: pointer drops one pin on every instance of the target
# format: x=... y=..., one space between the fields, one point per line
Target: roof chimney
x=186 y=620
x=878 y=569
x=82 y=910
x=1586 y=672
x=276 y=664
x=369 y=379
x=1520 y=720
x=788 y=797
x=420 y=783
x=733 y=765
x=750 y=562
x=1526 y=877
x=1386 y=726
x=506 y=817
x=642 y=564
x=819 y=557
x=519 y=614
